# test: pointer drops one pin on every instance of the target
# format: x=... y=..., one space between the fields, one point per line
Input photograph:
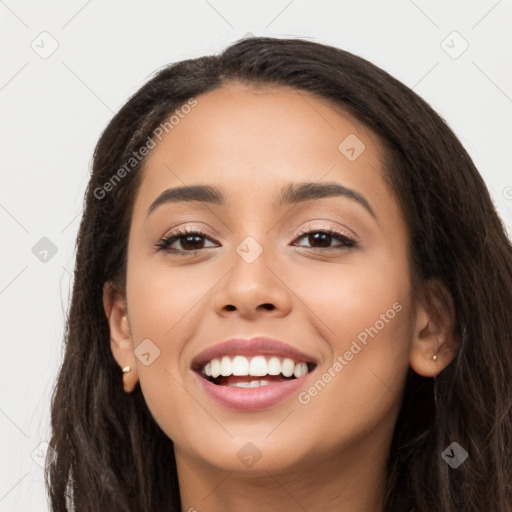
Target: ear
x=435 y=342
x=121 y=342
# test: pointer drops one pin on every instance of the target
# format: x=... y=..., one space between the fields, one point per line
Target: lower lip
x=251 y=399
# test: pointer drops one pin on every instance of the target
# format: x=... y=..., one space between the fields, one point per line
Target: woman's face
x=344 y=300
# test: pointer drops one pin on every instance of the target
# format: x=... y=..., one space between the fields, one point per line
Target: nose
x=253 y=289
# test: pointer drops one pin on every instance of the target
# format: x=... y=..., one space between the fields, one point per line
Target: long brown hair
x=112 y=456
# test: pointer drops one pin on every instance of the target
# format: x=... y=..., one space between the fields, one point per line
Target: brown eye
x=190 y=241
x=323 y=238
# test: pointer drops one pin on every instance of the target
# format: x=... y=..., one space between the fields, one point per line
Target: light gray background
x=54 y=108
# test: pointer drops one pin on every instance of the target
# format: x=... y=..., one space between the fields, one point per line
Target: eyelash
x=165 y=242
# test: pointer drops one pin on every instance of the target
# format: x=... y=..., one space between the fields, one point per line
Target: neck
x=348 y=481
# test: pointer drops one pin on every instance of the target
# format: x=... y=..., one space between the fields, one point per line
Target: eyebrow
x=292 y=193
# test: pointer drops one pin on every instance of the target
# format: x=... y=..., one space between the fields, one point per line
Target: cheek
x=163 y=305
x=162 y=299
x=345 y=298
x=362 y=311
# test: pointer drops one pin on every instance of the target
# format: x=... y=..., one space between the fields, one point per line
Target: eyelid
x=339 y=229
x=299 y=231
x=189 y=228
x=179 y=232
x=329 y=227
x=348 y=240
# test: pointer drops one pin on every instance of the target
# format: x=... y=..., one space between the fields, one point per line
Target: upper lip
x=254 y=346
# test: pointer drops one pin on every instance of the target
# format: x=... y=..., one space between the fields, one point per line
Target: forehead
x=261 y=137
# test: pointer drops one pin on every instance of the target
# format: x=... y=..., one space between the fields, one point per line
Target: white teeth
x=225 y=366
x=258 y=367
x=251 y=384
x=274 y=366
x=215 y=368
x=240 y=384
x=240 y=365
x=287 y=367
x=300 y=370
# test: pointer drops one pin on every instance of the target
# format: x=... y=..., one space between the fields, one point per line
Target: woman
x=292 y=292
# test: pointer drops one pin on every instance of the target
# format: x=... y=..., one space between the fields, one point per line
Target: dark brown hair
x=112 y=456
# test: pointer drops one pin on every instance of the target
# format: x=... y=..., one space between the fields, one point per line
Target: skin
x=330 y=453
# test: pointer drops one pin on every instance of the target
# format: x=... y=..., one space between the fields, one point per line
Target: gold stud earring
x=127 y=369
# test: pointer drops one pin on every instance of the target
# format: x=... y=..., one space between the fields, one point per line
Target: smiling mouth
x=252 y=372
